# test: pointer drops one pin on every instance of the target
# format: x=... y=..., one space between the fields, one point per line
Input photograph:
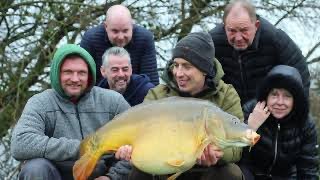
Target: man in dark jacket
x=117 y=72
x=119 y=30
x=248 y=46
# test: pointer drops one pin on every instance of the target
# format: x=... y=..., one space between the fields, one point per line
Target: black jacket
x=245 y=69
x=287 y=147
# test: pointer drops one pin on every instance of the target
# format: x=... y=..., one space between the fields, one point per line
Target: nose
x=178 y=71
x=75 y=77
x=120 y=73
x=280 y=100
x=121 y=36
x=238 y=36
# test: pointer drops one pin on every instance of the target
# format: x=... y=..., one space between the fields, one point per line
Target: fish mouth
x=252 y=136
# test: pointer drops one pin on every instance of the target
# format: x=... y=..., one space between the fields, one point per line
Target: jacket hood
x=289 y=78
x=58 y=58
x=168 y=77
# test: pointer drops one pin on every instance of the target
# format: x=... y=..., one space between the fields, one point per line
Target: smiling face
x=189 y=78
x=74 y=75
x=240 y=28
x=117 y=71
x=118 y=25
x=280 y=102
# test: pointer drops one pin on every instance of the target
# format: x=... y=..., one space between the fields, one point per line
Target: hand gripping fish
x=167 y=136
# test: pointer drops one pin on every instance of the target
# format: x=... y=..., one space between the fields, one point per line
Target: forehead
x=181 y=61
x=119 y=22
x=74 y=63
x=280 y=90
x=118 y=61
x=238 y=18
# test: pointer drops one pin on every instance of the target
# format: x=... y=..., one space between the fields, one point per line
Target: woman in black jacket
x=287 y=148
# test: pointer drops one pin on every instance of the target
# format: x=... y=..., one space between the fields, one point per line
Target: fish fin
x=176 y=162
x=83 y=167
x=174 y=176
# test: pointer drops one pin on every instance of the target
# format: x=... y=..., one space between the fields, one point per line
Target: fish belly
x=170 y=148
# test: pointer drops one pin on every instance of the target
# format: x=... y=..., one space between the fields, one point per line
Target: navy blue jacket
x=141 y=49
x=246 y=69
x=137 y=89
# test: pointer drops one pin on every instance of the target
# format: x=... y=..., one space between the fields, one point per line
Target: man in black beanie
x=194 y=72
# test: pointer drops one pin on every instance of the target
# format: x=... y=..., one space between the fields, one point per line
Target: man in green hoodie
x=194 y=72
x=53 y=123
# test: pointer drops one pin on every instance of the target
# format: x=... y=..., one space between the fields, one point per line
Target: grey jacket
x=52 y=127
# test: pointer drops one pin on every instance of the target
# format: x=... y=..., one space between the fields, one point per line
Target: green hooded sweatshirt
x=224 y=96
x=59 y=56
x=51 y=126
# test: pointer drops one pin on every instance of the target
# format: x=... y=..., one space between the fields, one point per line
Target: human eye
x=67 y=72
x=114 y=70
x=83 y=73
x=125 y=69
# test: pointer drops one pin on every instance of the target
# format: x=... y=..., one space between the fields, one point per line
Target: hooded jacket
x=51 y=126
x=224 y=96
x=287 y=147
x=246 y=69
x=137 y=89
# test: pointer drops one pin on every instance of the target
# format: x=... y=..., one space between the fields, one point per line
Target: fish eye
x=235 y=120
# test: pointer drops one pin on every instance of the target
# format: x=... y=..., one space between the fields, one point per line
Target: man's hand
x=101 y=169
x=210 y=156
x=259 y=114
x=102 y=178
x=124 y=153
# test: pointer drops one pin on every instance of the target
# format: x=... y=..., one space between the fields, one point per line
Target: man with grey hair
x=117 y=72
x=118 y=30
x=248 y=47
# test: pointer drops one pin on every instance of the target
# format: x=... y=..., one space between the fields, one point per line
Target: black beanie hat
x=198 y=49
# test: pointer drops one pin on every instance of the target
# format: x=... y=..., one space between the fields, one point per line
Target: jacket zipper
x=275 y=149
x=78 y=117
x=244 y=86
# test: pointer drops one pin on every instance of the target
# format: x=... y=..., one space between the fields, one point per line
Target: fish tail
x=83 y=167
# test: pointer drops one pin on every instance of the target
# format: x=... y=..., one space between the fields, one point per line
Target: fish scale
x=167 y=136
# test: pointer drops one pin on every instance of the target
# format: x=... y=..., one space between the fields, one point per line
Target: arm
x=232 y=105
x=30 y=136
x=307 y=162
x=148 y=63
x=290 y=54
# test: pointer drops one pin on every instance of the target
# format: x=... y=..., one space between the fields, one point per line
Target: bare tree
x=32 y=29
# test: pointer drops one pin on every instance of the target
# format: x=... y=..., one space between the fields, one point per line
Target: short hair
x=246 y=4
x=116 y=51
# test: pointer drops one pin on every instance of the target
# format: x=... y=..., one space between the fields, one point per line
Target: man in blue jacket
x=117 y=72
x=248 y=47
x=119 y=30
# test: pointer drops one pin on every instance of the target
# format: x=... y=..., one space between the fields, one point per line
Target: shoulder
x=141 y=34
x=139 y=30
x=141 y=79
x=104 y=95
x=95 y=31
x=158 y=92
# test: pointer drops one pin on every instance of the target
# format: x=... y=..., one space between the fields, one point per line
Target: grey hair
x=116 y=51
x=246 y=4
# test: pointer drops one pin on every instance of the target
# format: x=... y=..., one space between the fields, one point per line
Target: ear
x=103 y=71
x=257 y=24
